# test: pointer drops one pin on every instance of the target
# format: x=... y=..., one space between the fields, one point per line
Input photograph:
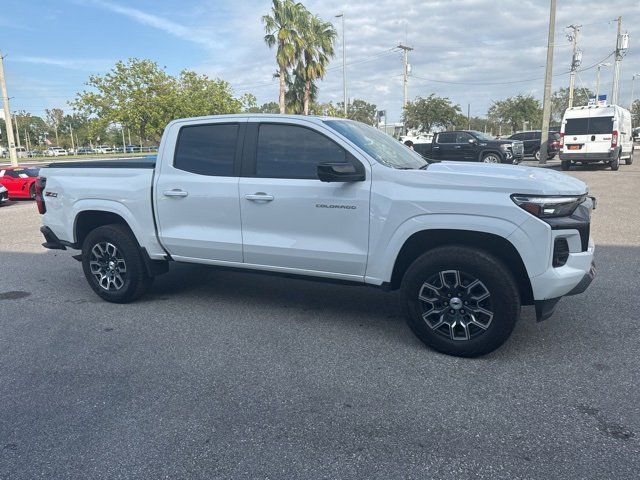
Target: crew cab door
x=444 y=146
x=292 y=221
x=196 y=191
x=464 y=149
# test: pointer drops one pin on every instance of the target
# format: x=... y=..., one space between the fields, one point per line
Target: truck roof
x=263 y=116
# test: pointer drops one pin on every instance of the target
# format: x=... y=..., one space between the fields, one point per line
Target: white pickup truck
x=467 y=243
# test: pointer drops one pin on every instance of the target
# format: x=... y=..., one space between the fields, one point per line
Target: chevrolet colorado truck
x=466 y=243
x=471 y=146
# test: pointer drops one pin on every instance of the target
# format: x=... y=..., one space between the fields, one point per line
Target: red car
x=20 y=182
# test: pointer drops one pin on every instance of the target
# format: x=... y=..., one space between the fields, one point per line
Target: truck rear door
x=444 y=146
x=599 y=135
x=196 y=191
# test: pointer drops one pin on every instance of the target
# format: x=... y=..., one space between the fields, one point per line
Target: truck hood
x=507 y=178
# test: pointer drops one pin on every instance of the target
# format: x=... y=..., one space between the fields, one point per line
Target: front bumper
x=546 y=308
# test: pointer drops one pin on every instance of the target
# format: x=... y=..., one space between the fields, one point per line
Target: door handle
x=457 y=146
x=176 y=192
x=259 y=197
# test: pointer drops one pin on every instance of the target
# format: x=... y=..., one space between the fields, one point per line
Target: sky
x=472 y=51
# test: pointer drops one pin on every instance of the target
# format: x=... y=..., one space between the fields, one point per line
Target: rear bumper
x=588 y=157
x=52 y=241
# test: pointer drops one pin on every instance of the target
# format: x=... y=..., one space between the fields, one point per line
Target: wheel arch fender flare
x=433 y=230
x=85 y=206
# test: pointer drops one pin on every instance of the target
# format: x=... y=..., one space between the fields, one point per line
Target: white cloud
x=89 y=64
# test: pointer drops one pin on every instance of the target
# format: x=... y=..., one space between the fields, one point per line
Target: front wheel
x=113 y=264
x=460 y=301
x=32 y=191
x=491 y=158
x=565 y=164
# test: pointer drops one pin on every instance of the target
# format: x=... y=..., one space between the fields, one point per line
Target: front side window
x=463 y=137
x=207 y=149
x=290 y=151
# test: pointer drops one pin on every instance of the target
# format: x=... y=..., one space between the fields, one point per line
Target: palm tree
x=282 y=30
x=316 y=50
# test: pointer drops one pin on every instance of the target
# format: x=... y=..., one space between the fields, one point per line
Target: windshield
x=379 y=145
x=481 y=135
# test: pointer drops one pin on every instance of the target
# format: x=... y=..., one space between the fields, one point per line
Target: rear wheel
x=536 y=154
x=32 y=191
x=460 y=301
x=615 y=163
x=629 y=160
x=113 y=264
x=565 y=164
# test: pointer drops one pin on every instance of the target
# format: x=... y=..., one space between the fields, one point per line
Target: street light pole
x=598 y=79
x=344 y=68
x=548 y=77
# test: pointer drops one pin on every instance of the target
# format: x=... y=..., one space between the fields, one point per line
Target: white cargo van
x=596 y=134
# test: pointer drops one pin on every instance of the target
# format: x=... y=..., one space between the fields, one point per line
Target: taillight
x=614 y=139
x=561 y=139
x=41 y=183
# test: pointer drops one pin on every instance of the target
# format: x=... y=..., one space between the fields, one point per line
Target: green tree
x=282 y=31
x=514 y=111
x=360 y=111
x=32 y=128
x=426 y=114
x=197 y=95
x=315 y=51
x=560 y=101
x=635 y=113
x=136 y=93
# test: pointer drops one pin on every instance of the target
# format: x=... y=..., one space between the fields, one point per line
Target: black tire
x=494 y=277
x=615 y=163
x=536 y=154
x=565 y=164
x=629 y=160
x=133 y=279
x=491 y=157
x=32 y=191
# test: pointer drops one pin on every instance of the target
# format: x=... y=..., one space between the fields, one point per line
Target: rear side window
x=207 y=149
x=447 y=137
x=589 y=126
x=290 y=151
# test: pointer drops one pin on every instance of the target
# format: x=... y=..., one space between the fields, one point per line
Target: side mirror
x=339 y=172
x=472 y=141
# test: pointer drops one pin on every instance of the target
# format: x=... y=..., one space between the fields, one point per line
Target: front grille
x=560 y=252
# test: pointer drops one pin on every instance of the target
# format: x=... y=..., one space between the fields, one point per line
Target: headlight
x=548 y=207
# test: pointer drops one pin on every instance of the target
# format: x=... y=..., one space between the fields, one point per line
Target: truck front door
x=196 y=191
x=292 y=221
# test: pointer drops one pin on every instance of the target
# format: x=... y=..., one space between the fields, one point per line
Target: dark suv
x=531 y=140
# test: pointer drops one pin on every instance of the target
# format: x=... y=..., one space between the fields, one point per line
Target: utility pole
x=468 y=116
x=576 y=59
x=73 y=146
x=548 y=77
x=406 y=51
x=124 y=146
x=622 y=44
x=7 y=116
x=26 y=136
x=15 y=117
x=344 y=68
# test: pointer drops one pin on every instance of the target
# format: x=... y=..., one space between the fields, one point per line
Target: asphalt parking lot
x=220 y=374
